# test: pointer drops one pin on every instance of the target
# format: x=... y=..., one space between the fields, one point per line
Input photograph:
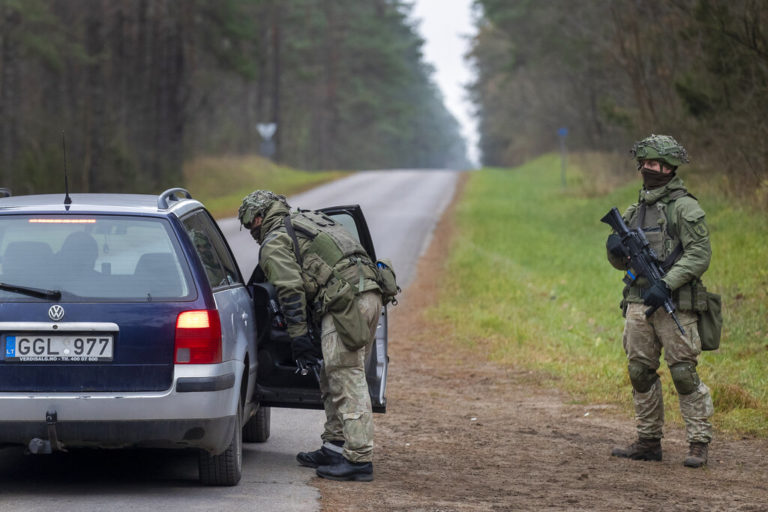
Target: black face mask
x=256 y=233
x=655 y=179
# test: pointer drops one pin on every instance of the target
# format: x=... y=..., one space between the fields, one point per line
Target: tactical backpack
x=334 y=271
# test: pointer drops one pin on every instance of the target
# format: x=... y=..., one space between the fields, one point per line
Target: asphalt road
x=402 y=208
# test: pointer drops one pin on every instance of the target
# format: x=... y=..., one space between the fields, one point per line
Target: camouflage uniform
x=343 y=383
x=344 y=388
x=671 y=217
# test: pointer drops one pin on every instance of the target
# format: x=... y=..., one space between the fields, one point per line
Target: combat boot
x=325 y=456
x=697 y=455
x=642 y=449
x=347 y=471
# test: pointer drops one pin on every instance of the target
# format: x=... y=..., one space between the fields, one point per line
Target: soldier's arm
x=278 y=260
x=617 y=262
x=694 y=235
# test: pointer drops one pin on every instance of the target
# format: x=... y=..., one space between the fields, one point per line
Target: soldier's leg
x=333 y=431
x=681 y=354
x=348 y=388
x=333 y=436
x=643 y=352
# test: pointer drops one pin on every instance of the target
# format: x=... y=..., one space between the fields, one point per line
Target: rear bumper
x=212 y=435
x=197 y=411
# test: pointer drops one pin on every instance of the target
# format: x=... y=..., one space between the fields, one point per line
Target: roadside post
x=562 y=134
x=267 y=131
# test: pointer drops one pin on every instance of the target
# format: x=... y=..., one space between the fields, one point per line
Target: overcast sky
x=446 y=26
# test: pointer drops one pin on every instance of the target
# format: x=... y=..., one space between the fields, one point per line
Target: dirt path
x=463 y=434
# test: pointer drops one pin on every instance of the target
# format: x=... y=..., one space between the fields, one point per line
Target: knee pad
x=685 y=377
x=642 y=377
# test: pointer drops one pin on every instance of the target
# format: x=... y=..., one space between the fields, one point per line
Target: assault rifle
x=643 y=261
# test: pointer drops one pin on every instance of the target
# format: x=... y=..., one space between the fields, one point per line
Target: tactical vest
x=330 y=240
x=663 y=237
x=332 y=251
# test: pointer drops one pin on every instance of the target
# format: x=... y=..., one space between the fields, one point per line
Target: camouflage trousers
x=643 y=341
x=344 y=388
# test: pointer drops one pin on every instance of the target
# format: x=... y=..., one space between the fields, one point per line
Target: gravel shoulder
x=465 y=434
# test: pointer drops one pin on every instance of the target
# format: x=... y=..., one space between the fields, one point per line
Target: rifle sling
x=312 y=330
x=292 y=234
x=641 y=216
x=670 y=260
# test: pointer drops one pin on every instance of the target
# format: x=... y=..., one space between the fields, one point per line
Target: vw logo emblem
x=56 y=312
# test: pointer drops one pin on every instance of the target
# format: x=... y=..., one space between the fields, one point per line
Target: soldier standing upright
x=313 y=262
x=674 y=225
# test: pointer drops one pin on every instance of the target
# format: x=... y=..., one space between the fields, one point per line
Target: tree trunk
x=9 y=93
x=276 y=36
x=96 y=126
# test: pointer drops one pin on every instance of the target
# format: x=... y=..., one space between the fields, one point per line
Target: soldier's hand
x=305 y=350
x=656 y=295
x=615 y=247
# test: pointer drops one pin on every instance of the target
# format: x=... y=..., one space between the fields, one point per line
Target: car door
x=279 y=383
x=217 y=266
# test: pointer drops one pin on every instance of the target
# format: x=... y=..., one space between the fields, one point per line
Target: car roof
x=98 y=203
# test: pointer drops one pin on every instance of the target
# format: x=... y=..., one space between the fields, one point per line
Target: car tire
x=258 y=427
x=225 y=468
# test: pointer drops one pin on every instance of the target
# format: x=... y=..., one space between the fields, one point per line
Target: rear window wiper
x=32 y=292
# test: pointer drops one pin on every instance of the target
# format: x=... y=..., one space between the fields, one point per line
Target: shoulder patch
x=700 y=228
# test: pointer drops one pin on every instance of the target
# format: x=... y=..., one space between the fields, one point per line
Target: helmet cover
x=256 y=204
x=660 y=147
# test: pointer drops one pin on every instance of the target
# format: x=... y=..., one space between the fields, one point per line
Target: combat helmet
x=660 y=147
x=256 y=204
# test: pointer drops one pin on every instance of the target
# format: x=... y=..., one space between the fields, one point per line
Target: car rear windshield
x=101 y=257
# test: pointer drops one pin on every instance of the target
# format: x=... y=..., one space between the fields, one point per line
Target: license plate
x=70 y=347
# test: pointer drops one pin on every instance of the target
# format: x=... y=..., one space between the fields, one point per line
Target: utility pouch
x=339 y=300
x=691 y=296
x=624 y=304
x=710 y=323
x=387 y=281
x=315 y=271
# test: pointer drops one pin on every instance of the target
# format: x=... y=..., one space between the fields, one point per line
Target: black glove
x=656 y=295
x=615 y=247
x=306 y=351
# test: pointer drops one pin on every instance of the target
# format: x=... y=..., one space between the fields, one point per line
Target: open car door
x=278 y=382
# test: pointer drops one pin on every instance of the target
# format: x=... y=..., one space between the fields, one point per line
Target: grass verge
x=222 y=182
x=528 y=283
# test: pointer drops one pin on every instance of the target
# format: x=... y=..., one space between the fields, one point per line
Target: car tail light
x=198 y=337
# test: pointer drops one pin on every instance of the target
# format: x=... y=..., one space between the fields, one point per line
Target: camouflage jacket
x=672 y=217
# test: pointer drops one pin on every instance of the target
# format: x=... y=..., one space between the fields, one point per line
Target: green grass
x=528 y=283
x=222 y=182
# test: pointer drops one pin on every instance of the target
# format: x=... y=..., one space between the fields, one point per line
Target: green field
x=222 y=182
x=528 y=283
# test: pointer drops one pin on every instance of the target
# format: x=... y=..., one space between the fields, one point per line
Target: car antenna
x=67 y=199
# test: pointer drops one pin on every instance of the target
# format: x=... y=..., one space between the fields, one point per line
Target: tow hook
x=39 y=446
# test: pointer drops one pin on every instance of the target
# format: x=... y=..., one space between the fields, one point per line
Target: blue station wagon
x=125 y=322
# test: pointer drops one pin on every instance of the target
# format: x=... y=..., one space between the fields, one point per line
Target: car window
x=219 y=265
x=347 y=221
x=95 y=257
